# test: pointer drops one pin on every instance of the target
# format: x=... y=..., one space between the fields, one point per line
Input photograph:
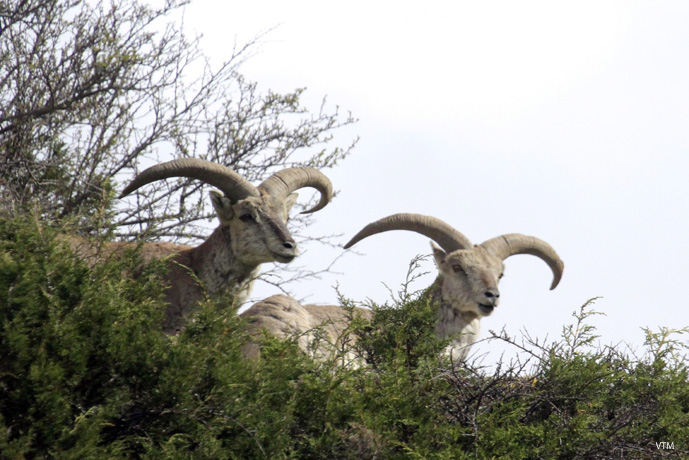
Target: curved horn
x=234 y=186
x=447 y=237
x=514 y=243
x=284 y=182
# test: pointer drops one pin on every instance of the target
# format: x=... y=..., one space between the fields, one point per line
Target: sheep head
x=258 y=227
x=469 y=273
x=470 y=279
x=254 y=219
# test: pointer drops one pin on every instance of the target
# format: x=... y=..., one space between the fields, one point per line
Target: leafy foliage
x=86 y=373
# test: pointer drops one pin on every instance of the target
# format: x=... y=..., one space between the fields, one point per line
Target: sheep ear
x=222 y=206
x=438 y=254
x=290 y=200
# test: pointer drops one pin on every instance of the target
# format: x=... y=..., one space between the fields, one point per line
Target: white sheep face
x=258 y=227
x=470 y=279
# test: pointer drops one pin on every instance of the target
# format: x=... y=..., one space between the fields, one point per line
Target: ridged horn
x=234 y=186
x=446 y=236
x=286 y=181
x=514 y=243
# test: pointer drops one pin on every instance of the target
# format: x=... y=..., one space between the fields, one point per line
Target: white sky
x=566 y=121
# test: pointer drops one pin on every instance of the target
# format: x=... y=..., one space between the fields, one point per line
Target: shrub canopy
x=87 y=373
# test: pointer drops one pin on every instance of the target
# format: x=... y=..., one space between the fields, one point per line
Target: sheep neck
x=217 y=266
x=461 y=327
x=208 y=269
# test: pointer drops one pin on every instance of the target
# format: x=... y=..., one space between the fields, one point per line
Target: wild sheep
x=252 y=230
x=283 y=317
x=465 y=290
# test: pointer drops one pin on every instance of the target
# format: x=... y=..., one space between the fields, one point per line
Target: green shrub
x=87 y=373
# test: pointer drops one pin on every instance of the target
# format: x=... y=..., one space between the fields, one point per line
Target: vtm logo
x=665 y=445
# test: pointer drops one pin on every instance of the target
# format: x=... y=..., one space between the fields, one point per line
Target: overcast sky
x=568 y=121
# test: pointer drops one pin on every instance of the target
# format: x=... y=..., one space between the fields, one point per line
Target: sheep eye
x=500 y=277
x=246 y=217
x=456 y=268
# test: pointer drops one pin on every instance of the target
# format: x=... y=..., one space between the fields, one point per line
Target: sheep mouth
x=284 y=258
x=486 y=309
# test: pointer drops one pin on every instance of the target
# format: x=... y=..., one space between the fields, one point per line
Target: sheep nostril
x=492 y=294
x=288 y=245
